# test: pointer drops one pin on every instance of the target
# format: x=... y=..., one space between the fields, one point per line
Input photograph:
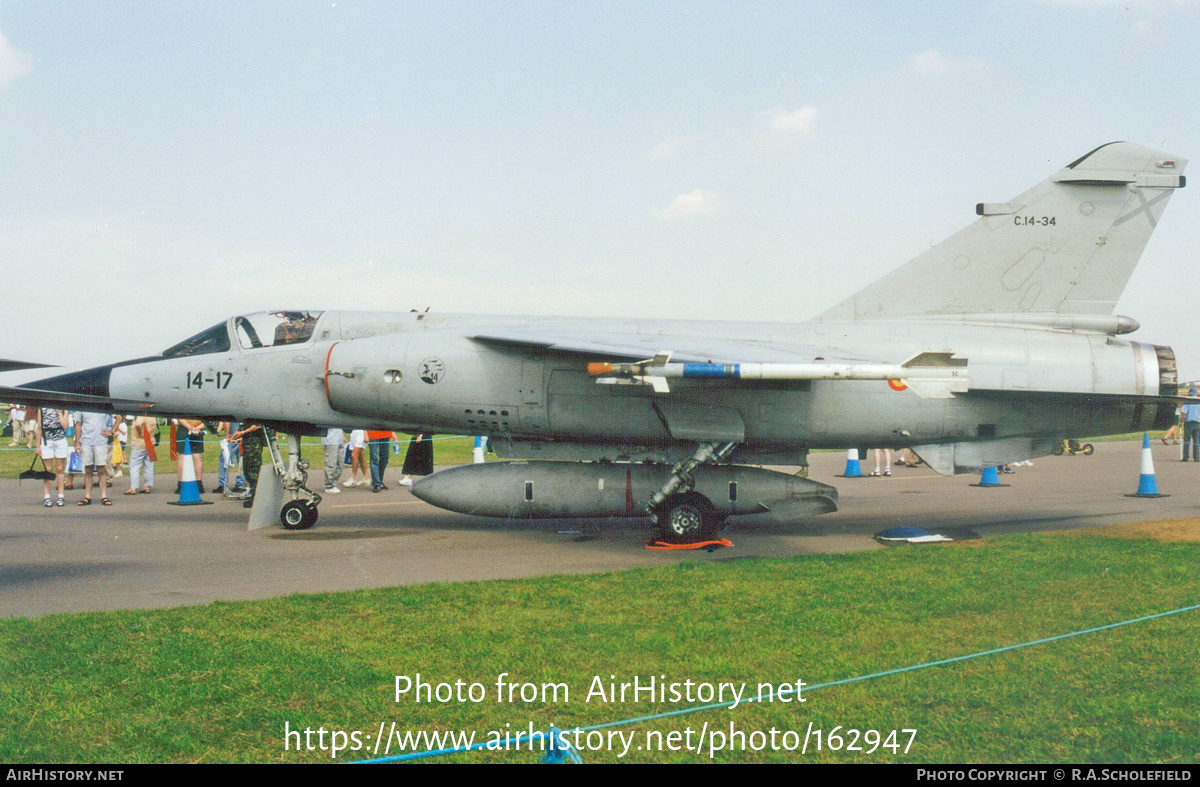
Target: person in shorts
x=92 y=435
x=358 y=459
x=31 y=422
x=51 y=432
x=193 y=432
x=120 y=436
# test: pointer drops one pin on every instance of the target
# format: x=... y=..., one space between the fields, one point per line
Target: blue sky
x=695 y=160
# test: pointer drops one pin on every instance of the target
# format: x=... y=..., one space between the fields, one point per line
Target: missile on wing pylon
x=538 y=490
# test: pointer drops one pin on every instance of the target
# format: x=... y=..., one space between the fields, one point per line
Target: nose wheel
x=298 y=515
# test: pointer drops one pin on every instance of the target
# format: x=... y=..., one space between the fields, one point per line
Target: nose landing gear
x=298 y=513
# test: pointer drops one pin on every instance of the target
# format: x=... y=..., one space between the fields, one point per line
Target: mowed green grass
x=218 y=683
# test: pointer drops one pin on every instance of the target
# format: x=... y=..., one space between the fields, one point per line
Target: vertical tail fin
x=1067 y=245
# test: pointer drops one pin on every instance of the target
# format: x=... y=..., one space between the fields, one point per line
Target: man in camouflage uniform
x=254 y=440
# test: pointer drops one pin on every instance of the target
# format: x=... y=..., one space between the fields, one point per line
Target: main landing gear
x=1072 y=447
x=683 y=515
x=299 y=513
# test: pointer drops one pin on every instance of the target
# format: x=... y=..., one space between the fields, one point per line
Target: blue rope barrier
x=557 y=739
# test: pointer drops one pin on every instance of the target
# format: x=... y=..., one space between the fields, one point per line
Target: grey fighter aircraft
x=988 y=348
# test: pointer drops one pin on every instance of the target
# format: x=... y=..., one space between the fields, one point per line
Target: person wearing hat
x=1191 y=428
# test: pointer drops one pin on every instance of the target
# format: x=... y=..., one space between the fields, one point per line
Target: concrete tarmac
x=141 y=553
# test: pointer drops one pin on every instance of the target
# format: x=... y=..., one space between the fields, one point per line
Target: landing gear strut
x=683 y=515
x=299 y=513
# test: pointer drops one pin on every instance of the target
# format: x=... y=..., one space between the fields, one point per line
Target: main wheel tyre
x=298 y=515
x=687 y=519
x=1058 y=450
x=1087 y=449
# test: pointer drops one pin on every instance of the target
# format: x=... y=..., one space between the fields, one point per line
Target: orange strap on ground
x=724 y=542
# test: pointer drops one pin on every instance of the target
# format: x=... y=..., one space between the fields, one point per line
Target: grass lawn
x=218 y=683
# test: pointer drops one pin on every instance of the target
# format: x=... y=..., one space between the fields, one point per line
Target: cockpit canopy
x=262 y=329
x=271 y=329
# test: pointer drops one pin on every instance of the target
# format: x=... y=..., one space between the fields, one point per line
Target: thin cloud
x=692 y=203
x=1149 y=15
x=670 y=148
x=791 y=120
x=1124 y=4
x=14 y=63
x=932 y=63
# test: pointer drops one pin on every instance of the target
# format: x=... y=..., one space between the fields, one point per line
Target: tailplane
x=1068 y=245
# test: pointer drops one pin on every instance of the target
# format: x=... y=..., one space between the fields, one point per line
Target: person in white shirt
x=92 y=435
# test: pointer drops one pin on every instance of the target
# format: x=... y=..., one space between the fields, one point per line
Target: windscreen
x=213 y=340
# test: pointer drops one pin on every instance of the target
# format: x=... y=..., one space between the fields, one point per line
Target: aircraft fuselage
x=425 y=373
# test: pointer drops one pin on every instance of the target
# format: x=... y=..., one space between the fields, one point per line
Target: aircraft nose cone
x=93 y=382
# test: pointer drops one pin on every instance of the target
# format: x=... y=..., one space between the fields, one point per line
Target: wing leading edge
x=632 y=347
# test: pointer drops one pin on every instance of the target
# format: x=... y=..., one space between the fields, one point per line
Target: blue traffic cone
x=1146 y=484
x=989 y=478
x=852 y=468
x=189 y=490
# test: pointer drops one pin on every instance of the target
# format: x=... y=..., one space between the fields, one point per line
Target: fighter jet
x=991 y=347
